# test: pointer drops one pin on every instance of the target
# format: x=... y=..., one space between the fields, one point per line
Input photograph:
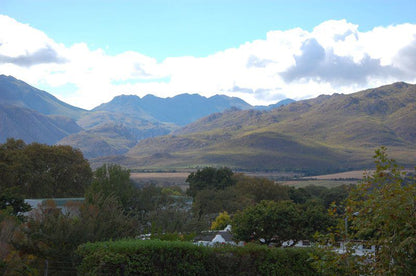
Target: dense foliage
x=380 y=212
x=277 y=222
x=42 y=171
x=136 y=257
x=209 y=178
x=112 y=180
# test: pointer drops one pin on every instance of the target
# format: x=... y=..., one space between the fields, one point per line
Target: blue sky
x=170 y=40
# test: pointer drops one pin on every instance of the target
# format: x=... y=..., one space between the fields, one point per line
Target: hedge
x=155 y=257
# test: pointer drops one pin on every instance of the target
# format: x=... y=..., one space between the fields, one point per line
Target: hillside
x=32 y=126
x=112 y=135
x=18 y=93
x=112 y=128
x=328 y=133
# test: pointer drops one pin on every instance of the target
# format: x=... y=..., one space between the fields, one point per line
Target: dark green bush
x=154 y=257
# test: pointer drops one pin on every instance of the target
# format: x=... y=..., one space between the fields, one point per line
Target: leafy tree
x=15 y=167
x=221 y=221
x=13 y=261
x=39 y=170
x=209 y=178
x=10 y=198
x=53 y=235
x=267 y=221
x=299 y=195
x=314 y=218
x=258 y=189
x=381 y=211
x=112 y=180
x=384 y=211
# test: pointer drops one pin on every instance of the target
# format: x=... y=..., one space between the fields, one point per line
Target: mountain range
x=326 y=134
x=112 y=128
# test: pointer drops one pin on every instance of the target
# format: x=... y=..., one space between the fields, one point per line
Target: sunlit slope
x=328 y=133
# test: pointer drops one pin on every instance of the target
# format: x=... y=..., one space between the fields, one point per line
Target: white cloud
x=334 y=57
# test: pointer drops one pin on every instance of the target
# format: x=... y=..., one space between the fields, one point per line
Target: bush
x=155 y=257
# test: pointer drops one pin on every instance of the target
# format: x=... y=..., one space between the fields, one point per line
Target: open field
x=329 y=183
x=178 y=178
x=343 y=175
x=160 y=178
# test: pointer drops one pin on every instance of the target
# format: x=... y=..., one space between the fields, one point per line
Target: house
x=212 y=238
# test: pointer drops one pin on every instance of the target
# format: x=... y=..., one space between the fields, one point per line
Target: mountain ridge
x=343 y=129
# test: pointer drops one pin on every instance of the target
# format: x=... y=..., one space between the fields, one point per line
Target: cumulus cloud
x=44 y=55
x=334 y=57
x=319 y=64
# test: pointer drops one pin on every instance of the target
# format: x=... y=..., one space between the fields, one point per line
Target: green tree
x=221 y=221
x=11 y=199
x=381 y=211
x=53 y=235
x=58 y=171
x=209 y=178
x=38 y=170
x=314 y=217
x=268 y=221
x=113 y=180
x=259 y=188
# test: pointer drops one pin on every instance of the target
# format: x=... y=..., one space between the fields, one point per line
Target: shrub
x=155 y=257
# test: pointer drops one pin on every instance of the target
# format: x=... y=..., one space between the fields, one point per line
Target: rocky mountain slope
x=328 y=133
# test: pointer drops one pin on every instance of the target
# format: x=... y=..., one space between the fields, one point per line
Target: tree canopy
x=209 y=178
x=379 y=212
x=41 y=171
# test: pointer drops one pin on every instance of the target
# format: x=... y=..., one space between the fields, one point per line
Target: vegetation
x=209 y=179
x=112 y=180
x=277 y=222
x=136 y=257
x=42 y=171
x=221 y=221
x=381 y=213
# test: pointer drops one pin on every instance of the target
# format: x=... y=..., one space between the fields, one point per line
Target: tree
x=314 y=218
x=221 y=221
x=381 y=211
x=53 y=235
x=268 y=221
x=258 y=188
x=39 y=170
x=112 y=180
x=10 y=198
x=209 y=178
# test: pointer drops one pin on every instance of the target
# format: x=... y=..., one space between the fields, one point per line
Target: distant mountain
x=32 y=126
x=112 y=128
x=18 y=93
x=112 y=133
x=328 y=133
x=276 y=105
x=33 y=115
x=180 y=110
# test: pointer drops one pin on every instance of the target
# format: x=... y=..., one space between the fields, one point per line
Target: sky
x=87 y=52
